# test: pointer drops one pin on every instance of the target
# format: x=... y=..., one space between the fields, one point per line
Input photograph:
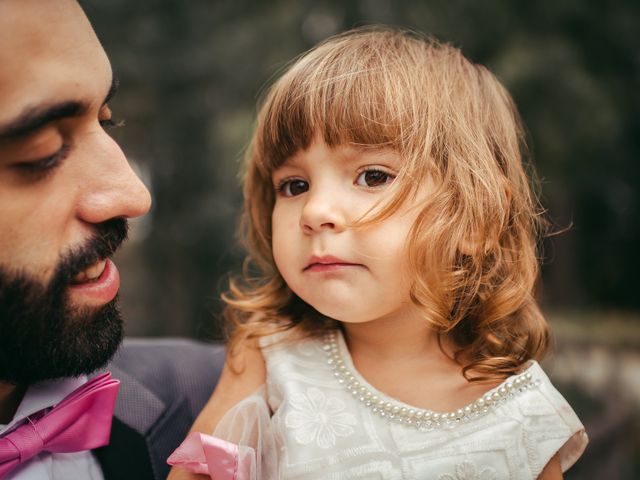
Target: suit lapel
x=145 y=431
x=167 y=434
x=126 y=456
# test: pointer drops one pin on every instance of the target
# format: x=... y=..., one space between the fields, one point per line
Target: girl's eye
x=41 y=168
x=374 y=178
x=291 y=188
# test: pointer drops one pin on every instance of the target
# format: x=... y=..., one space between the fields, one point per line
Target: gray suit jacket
x=164 y=384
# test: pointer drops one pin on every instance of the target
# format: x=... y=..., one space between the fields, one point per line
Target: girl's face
x=351 y=274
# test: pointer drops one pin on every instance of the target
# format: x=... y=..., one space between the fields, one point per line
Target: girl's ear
x=472 y=240
x=475 y=242
x=468 y=246
x=485 y=237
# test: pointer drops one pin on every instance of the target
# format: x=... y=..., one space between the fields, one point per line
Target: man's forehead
x=48 y=53
x=33 y=21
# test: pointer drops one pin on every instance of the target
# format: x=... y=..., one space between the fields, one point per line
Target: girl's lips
x=96 y=291
x=329 y=267
x=327 y=264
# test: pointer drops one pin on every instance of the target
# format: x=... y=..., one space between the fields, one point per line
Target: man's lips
x=328 y=263
x=96 y=285
x=90 y=274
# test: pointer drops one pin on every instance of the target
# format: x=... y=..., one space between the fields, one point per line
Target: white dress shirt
x=51 y=466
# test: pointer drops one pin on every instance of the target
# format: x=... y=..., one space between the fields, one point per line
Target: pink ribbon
x=208 y=455
x=81 y=421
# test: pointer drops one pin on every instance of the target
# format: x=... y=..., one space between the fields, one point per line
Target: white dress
x=318 y=418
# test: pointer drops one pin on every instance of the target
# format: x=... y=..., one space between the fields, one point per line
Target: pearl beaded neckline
x=421 y=419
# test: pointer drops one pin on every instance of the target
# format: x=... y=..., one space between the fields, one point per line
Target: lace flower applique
x=318 y=418
x=468 y=471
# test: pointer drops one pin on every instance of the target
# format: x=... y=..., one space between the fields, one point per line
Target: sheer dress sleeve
x=242 y=447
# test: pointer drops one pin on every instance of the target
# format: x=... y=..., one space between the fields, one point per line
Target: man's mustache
x=104 y=243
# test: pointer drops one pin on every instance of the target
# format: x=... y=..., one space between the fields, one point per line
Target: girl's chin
x=344 y=315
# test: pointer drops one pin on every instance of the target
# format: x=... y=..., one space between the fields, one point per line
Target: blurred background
x=191 y=73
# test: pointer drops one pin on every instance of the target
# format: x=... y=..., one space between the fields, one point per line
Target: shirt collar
x=43 y=395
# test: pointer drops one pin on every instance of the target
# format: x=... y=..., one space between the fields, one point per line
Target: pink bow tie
x=81 y=421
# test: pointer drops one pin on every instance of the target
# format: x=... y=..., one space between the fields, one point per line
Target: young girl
x=392 y=331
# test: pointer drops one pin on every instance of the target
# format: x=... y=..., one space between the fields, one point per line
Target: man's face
x=66 y=190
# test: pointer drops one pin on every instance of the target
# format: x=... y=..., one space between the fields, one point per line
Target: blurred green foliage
x=191 y=73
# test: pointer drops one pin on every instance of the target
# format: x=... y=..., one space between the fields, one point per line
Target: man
x=66 y=191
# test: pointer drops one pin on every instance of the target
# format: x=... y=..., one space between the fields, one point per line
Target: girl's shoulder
x=548 y=423
x=547 y=398
x=295 y=363
x=290 y=341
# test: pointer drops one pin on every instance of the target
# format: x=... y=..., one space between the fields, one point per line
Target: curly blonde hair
x=473 y=247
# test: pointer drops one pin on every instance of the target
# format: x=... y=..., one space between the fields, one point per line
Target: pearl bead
x=419 y=418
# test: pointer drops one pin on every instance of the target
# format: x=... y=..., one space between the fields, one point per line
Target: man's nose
x=111 y=188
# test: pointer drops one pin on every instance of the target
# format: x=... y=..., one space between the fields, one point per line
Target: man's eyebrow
x=34 y=118
x=115 y=83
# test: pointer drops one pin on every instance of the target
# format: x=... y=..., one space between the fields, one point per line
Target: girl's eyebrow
x=351 y=154
x=383 y=152
x=288 y=162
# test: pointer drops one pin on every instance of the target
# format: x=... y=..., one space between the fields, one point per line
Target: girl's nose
x=322 y=211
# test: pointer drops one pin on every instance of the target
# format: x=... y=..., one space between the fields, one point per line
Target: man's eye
x=374 y=178
x=40 y=168
x=291 y=188
x=110 y=123
x=105 y=117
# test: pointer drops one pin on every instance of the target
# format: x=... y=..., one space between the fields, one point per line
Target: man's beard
x=41 y=336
